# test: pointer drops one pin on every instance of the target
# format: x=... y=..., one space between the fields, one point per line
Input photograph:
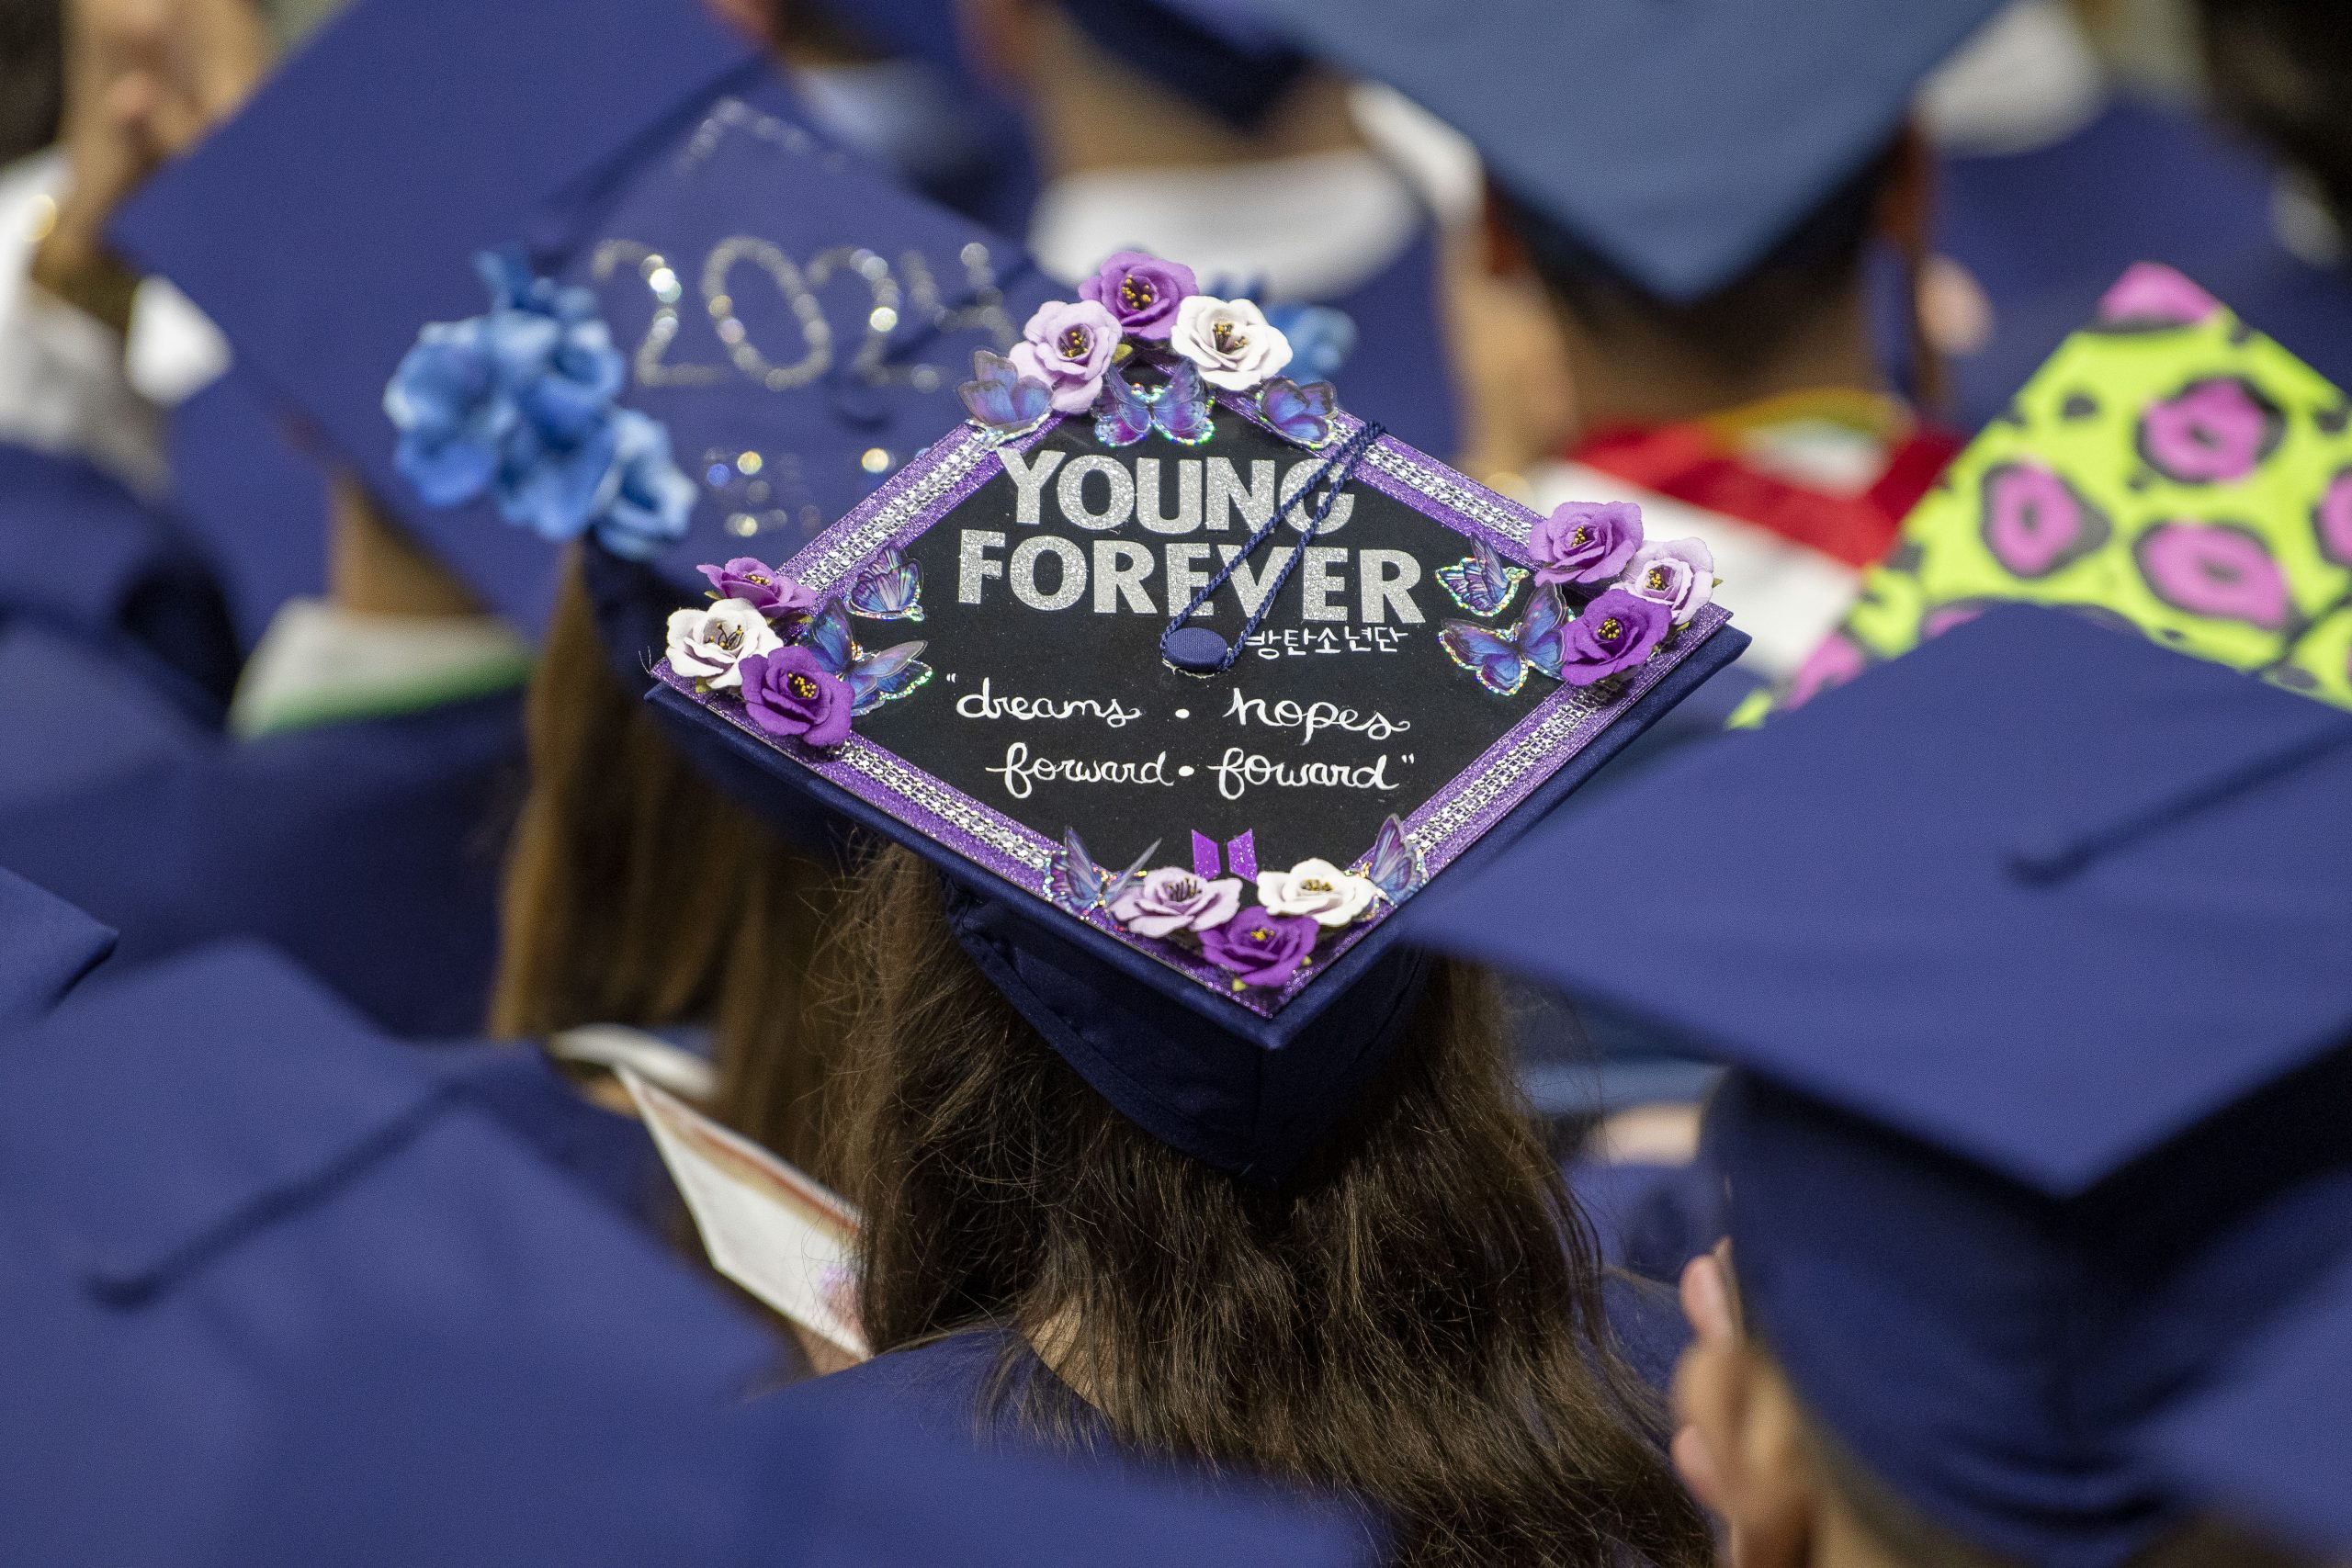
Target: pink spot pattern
x=2216 y=569
x=2035 y=522
x=2212 y=431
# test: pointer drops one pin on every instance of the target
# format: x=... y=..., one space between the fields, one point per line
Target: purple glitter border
x=1434 y=858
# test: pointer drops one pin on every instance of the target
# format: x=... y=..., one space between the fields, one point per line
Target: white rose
x=707 y=642
x=1230 y=340
x=1315 y=888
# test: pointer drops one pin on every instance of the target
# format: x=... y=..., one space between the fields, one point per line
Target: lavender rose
x=1260 y=949
x=1585 y=541
x=1615 y=632
x=1231 y=341
x=1173 y=899
x=709 y=643
x=788 y=694
x=762 y=586
x=1678 y=573
x=1068 y=347
x=1142 y=291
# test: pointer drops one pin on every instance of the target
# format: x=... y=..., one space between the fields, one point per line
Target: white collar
x=1312 y=227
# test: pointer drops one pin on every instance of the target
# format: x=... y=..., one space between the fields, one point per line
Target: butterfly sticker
x=1395 y=866
x=1299 y=413
x=887 y=588
x=1501 y=659
x=1001 y=400
x=1125 y=413
x=1078 y=884
x=874 y=678
x=1482 y=582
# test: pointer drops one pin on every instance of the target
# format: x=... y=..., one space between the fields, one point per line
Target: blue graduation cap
x=1186 y=685
x=341 y=208
x=2036 y=1021
x=1679 y=141
x=1219 y=54
x=2270 y=1444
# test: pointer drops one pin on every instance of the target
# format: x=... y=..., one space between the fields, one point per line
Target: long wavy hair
x=1414 y=1315
x=636 y=893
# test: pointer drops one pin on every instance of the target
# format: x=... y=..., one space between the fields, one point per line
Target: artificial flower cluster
x=744 y=641
x=1648 y=589
x=1135 y=304
x=1265 y=944
x=520 y=404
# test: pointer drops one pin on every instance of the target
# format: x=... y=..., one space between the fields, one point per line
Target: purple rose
x=1173 y=899
x=788 y=694
x=763 y=587
x=1585 y=541
x=1260 y=949
x=1068 y=347
x=1615 y=632
x=1142 y=292
x=1678 y=573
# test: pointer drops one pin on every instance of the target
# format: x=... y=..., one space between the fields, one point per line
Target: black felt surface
x=1103 y=651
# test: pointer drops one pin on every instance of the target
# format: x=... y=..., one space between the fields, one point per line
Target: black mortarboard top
x=343 y=206
x=2270 y=1446
x=1175 y=847
x=1682 y=141
x=2028 y=953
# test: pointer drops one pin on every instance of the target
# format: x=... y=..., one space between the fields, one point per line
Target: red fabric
x=1687 y=463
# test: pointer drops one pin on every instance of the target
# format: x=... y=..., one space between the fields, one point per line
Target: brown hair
x=636 y=893
x=1416 y=1315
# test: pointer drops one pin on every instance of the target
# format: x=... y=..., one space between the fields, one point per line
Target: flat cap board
x=1042 y=572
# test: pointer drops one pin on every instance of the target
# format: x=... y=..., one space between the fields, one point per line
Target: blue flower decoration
x=650 y=499
x=1320 y=340
x=520 y=404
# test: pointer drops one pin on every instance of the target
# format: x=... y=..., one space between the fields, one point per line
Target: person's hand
x=1707 y=1301
x=145 y=79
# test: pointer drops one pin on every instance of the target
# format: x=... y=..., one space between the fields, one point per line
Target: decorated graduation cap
x=1188 y=679
x=2028 y=952
x=2168 y=468
x=339 y=207
x=1680 y=142
x=2270 y=1444
x=755 y=332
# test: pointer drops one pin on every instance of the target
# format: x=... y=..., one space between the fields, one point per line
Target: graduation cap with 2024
x=1196 y=621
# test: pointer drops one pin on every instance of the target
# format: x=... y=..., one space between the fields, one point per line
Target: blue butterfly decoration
x=874 y=678
x=1299 y=413
x=1482 y=582
x=887 y=588
x=1076 y=882
x=1501 y=659
x=1000 y=400
x=1183 y=409
x=1395 y=866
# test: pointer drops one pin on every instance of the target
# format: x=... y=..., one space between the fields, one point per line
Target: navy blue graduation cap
x=1187 y=680
x=343 y=206
x=1680 y=142
x=1217 y=54
x=2028 y=959
x=2270 y=1446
